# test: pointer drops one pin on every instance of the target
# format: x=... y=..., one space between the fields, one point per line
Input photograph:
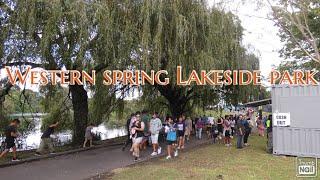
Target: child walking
x=88 y=135
x=260 y=126
x=181 y=130
x=227 y=132
x=170 y=130
x=214 y=132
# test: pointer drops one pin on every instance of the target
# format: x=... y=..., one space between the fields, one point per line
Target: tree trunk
x=176 y=108
x=80 y=109
x=1 y=108
x=176 y=98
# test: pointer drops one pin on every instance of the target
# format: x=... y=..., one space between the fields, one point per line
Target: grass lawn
x=216 y=162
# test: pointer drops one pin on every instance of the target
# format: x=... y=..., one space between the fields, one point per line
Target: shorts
x=180 y=133
x=170 y=142
x=88 y=137
x=137 y=140
x=188 y=132
x=227 y=133
x=10 y=145
x=154 y=138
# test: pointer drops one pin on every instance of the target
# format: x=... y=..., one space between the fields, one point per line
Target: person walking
x=220 y=127
x=199 y=127
x=145 y=118
x=11 y=134
x=239 y=132
x=181 y=127
x=137 y=135
x=46 y=141
x=247 y=129
x=260 y=126
x=232 y=125
x=227 y=132
x=170 y=130
x=188 y=123
x=128 y=140
x=155 y=127
x=214 y=132
x=269 y=134
x=88 y=135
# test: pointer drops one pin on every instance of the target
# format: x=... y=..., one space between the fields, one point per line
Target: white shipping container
x=302 y=136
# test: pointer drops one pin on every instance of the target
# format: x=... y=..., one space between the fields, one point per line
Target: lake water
x=32 y=139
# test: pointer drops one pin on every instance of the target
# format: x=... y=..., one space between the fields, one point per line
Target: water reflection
x=32 y=139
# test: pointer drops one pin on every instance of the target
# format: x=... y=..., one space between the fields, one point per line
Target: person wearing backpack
x=170 y=130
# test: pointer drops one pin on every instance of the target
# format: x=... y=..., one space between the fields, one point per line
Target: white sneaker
x=176 y=153
x=15 y=160
x=159 y=150
x=178 y=147
x=168 y=157
x=154 y=154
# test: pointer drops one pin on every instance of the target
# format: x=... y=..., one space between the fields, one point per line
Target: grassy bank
x=215 y=162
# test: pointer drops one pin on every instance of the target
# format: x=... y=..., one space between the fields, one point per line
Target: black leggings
x=128 y=141
x=232 y=131
x=246 y=136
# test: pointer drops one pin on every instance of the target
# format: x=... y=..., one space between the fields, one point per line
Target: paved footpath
x=77 y=166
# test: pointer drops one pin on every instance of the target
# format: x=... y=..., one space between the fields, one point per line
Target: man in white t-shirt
x=155 y=127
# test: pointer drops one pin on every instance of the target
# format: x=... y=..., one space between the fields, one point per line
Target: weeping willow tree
x=124 y=34
x=192 y=35
x=76 y=35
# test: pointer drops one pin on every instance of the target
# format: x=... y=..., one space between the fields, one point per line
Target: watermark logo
x=306 y=167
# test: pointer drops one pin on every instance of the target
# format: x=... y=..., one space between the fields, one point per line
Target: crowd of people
x=145 y=130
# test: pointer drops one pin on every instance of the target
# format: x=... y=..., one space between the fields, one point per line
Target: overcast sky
x=260 y=32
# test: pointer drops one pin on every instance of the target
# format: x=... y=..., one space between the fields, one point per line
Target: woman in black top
x=137 y=136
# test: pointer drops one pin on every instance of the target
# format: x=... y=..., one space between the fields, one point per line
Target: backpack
x=172 y=136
